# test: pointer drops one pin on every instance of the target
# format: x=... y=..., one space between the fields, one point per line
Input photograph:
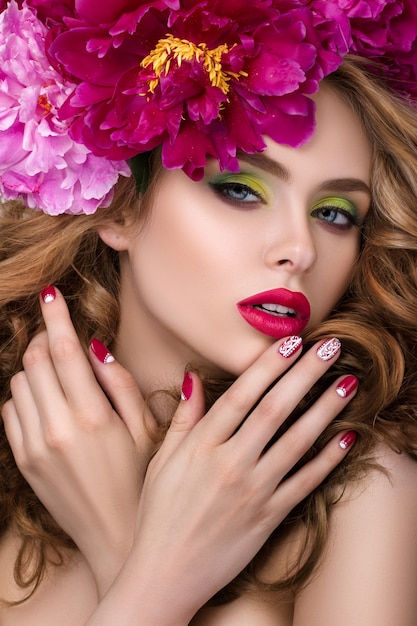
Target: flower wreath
x=87 y=85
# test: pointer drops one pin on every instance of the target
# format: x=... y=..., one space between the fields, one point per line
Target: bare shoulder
x=397 y=466
x=368 y=576
x=386 y=496
x=67 y=596
x=248 y=610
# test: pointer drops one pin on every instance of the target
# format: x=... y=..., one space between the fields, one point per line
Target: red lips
x=287 y=312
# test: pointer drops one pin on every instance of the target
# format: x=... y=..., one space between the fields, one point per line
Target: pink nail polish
x=329 y=349
x=290 y=346
x=348 y=439
x=347 y=386
x=48 y=294
x=187 y=386
x=101 y=352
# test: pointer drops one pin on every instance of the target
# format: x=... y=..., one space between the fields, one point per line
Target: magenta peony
x=385 y=31
x=205 y=79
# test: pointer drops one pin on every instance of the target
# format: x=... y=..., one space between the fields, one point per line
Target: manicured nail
x=48 y=294
x=290 y=346
x=187 y=386
x=348 y=439
x=329 y=349
x=347 y=386
x=101 y=352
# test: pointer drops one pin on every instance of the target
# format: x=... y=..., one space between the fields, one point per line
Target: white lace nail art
x=328 y=349
x=290 y=346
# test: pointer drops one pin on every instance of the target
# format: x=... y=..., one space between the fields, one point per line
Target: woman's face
x=289 y=224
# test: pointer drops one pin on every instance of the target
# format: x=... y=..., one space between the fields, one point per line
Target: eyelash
x=224 y=188
x=352 y=217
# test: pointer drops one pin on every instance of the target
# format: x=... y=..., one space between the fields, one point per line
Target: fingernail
x=290 y=346
x=348 y=439
x=48 y=294
x=329 y=349
x=187 y=386
x=347 y=386
x=101 y=352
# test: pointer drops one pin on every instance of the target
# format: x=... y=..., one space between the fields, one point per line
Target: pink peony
x=39 y=162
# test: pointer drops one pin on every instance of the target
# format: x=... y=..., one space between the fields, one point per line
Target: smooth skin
x=208 y=245
x=373 y=528
x=243 y=496
x=369 y=571
x=208 y=491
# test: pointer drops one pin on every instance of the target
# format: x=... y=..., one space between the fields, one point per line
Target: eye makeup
x=243 y=187
x=337 y=211
x=249 y=189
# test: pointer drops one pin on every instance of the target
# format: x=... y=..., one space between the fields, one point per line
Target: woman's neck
x=155 y=358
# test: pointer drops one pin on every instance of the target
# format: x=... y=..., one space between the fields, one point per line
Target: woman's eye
x=338 y=213
x=244 y=190
x=238 y=192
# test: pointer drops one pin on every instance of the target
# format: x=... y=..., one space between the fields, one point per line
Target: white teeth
x=277 y=309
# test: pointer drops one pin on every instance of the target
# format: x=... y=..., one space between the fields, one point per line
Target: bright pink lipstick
x=276 y=313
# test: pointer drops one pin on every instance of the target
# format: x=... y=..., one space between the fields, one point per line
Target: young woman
x=211 y=273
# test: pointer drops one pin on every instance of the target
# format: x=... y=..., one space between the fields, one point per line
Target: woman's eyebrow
x=264 y=162
x=345 y=185
x=342 y=185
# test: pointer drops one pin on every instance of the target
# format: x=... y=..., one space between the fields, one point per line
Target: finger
x=12 y=427
x=299 y=438
x=41 y=376
x=291 y=491
x=22 y=420
x=228 y=412
x=23 y=408
x=71 y=364
x=282 y=399
x=189 y=412
x=123 y=391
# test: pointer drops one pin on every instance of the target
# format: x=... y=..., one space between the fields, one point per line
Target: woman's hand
x=85 y=460
x=212 y=496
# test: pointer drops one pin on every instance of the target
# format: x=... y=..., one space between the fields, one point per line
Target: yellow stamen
x=44 y=103
x=173 y=49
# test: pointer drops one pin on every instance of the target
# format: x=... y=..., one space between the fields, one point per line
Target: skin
x=69 y=461
x=168 y=273
x=171 y=270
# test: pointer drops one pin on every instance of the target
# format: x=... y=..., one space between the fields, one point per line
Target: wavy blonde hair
x=375 y=321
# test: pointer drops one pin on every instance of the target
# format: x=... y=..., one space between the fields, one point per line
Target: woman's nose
x=293 y=246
